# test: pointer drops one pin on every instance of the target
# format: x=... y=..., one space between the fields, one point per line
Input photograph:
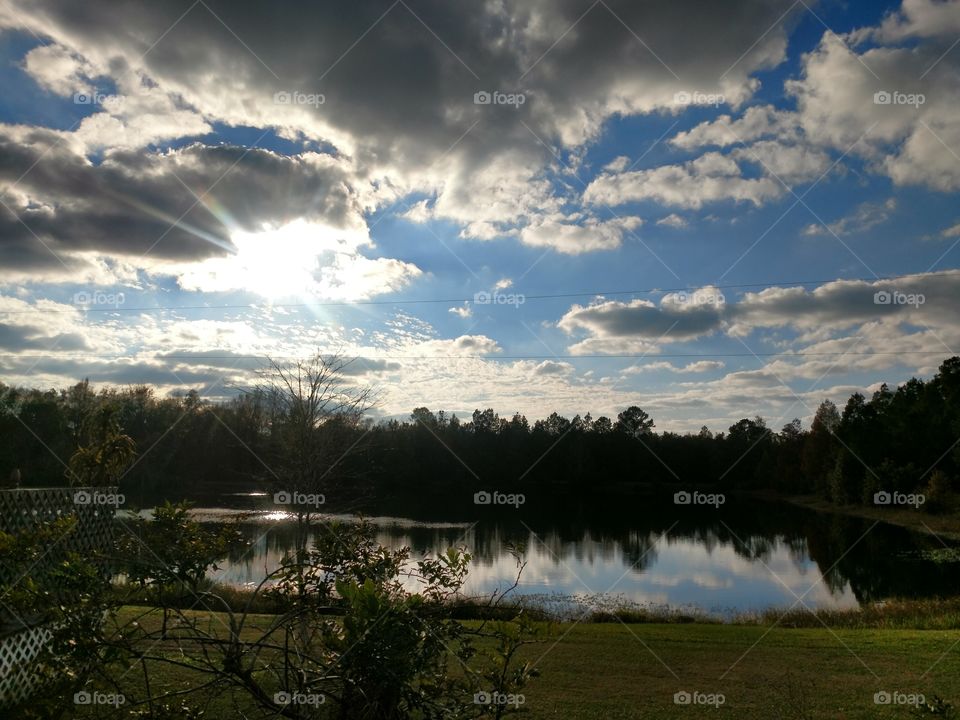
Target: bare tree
x=317 y=412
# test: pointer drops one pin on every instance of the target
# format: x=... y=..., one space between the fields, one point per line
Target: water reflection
x=740 y=561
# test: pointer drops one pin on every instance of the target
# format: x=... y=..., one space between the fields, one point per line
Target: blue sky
x=692 y=209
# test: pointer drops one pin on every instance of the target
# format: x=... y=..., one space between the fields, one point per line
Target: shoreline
x=943 y=527
x=933 y=613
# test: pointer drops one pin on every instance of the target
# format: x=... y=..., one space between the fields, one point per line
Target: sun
x=300 y=259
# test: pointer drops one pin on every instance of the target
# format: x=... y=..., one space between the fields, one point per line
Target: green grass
x=932 y=614
x=612 y=670
x=615 y=671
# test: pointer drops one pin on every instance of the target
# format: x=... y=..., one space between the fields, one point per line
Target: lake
x=741 y=557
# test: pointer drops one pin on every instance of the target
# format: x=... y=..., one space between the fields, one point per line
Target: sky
x=710 y=210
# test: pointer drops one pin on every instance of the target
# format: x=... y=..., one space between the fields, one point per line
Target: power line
x=423 y=301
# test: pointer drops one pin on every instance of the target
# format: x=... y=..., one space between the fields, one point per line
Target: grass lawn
x=608 y=671
x=614 y=671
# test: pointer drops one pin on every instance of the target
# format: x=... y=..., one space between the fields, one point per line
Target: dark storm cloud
x=219 y=371
x=400 y=78
x=643 y=319
x=118 y=372
x=26 y=337
x=130 y=204
x=922 y=299
x=369 y=366
x=223 y=360
x=399 y=83
x=231 y=360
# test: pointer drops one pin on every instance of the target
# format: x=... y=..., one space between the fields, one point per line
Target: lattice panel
x=23 y=509
x=20 y=511
x=17 y=652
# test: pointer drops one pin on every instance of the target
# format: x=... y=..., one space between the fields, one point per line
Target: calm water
x=742 y=557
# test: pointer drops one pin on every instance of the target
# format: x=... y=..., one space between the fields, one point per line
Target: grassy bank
x=614 y=670
x=897 y=614
x=932 y=614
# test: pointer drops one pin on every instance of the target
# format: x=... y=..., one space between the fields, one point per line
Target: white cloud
x=702 y=366
x=913 y=143
x=952 y=231
x=551 y=367
x=786 y=163
x=866 y=215
x=757 y=122
x=909 y=142
x=419 y=212
x=59 y=70
x=618 y=164
x=469 y=345
x=926 y=158
x=137 y=114
x=673 y=221
x=573 y=239
x=918 y=18
x=698 y=366
x=711 y=177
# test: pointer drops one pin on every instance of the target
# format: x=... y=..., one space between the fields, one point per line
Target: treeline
x=902 y=440
x=899 y=441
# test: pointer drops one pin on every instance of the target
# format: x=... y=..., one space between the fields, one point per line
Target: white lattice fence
x=18 y=652
x=20 y=511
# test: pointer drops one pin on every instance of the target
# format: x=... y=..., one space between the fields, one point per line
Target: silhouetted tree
x=634 y=422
